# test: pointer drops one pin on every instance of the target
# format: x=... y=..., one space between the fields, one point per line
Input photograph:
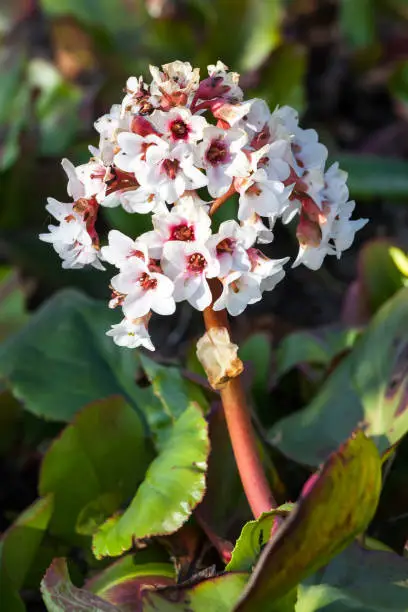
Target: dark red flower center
x=217 y=152
x=196 y=263
x=170 y=167
x=182 y=232
x=147 y=282
x=179 y=129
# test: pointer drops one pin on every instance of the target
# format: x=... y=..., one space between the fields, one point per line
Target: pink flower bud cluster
x=160 y=151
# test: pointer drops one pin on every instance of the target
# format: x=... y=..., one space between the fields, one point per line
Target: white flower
x=179 y=125
x=231 y=113
x=144 y=290
x=268 y=272
x=109 y=126
x=312 y=257
x=137 y=98
x=230 y=245
x=263 y=232
x=344 y=228
x=274 y=160
x=260 y=195
x=121 y=248
x=221 y=155
x=333 y=234
x=174 y=77
x=256 y=117
x=158 y=149
x=88 y=180
x=335 y=185
x=131 y=334
x=132 y=148
x=187 y=221
x=308 y=152
x=169 y=171
x=71 y=239
x=189 y=264
x=229 y=80
x=78 y=255
x=238 y=290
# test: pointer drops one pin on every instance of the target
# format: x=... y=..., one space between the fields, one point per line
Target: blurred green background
x=342 y=63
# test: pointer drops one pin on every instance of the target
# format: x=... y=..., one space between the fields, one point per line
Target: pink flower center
x=182 y=232
x=179 y=129
x=225 y=246
x=196 y=263
x=217 y=152
x=261 y=138
x=171 y=167
x=147 y=282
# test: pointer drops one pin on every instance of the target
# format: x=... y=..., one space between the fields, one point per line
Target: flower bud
x=218 y=356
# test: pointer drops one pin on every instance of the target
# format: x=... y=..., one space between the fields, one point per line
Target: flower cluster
x=166 y=145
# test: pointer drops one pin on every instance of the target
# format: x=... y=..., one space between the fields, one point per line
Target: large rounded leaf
x=367 y=390
x=62 y=359
x=336 y=505
x=95 y=465
x=173 y=486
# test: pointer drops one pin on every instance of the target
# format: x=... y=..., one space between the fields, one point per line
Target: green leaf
x=10 y=597
x=122 y=582
x=56 y=107
x=115 y=19
x=14 y=103
x=371 y=176
x=254 y=536
x=173 y=486
x=318 y=346
x=263 y=23
x=106 y=446
x=367 y=389
x=62 y=359
x=357 y=579
x=282 y=81
x=336 y=505
x=60 y=595
x=257 y=351
x=217 y=594
x=174 y=394
x=400 y=259
x=13 y=312
x=378 y=273
x=18 y=549
x=357 y=22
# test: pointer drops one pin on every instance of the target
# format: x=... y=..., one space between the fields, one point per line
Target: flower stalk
x=241 y=431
